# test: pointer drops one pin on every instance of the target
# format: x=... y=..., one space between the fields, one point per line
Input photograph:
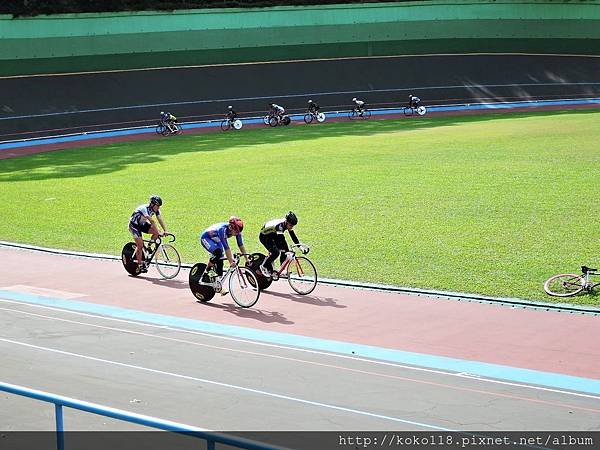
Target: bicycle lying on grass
x=243 y=285
x=299 y=271
x=166 y=257
x=227 y=124
x=355 y=113
x=168 y=129
x=569 y=284
x=411 y=110
x=311 y=116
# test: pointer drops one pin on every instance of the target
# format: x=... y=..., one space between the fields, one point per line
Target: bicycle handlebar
x=171 y=235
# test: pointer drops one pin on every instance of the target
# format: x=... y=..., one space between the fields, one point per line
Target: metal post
x=60 y=438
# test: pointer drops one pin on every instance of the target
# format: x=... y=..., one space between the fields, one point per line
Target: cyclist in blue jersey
x=168 y=120
x=214 y=240
x=141 y=222
x=271 y=236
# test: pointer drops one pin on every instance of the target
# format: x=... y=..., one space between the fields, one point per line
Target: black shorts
x=136 y=229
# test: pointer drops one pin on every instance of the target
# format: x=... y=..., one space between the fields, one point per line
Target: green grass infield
x=491 y=204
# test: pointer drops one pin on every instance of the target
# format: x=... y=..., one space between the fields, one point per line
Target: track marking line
x=333 y=366
x=227 y=385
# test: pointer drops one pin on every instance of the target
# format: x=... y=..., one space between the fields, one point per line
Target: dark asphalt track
x=53 y=105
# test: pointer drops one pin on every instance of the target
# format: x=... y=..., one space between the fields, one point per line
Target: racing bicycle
x=227 y=124
x=168 y=129
x=274 y=119
x=412 y=110
x=243 y=285
x=165 y=256
x=569 y=284
x=299 y=271
x=356 y=113
x=310 y=116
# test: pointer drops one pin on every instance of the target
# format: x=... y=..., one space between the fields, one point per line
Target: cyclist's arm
x=294 y=237
x=229 y=256
x=162 y=223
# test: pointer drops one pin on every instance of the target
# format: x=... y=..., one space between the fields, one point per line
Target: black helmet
x=156 y=200
x=291 y=218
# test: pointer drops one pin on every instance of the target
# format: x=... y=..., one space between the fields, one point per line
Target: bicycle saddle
x=585 y=269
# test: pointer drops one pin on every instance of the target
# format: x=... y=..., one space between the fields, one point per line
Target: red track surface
x=533 y=339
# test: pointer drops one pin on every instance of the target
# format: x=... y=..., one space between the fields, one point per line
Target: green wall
x=80 y=42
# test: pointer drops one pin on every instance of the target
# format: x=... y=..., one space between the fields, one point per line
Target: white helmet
x=354 y=99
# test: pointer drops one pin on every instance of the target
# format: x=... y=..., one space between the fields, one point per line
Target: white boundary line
x=267 y=345
x=295 y=61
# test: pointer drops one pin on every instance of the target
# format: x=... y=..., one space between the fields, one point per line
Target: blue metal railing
x=211 y=438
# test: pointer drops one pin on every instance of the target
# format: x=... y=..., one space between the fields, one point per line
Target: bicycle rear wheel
x=564 y=285
x=320 y=117
x=237 y=124
x=421 y=110
x=366 y=114
x=128 y=259
x=168 y=261
x=243 y=287
x=202 y=292
x=302 y=275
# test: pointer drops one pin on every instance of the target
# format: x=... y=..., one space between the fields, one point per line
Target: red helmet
x=236 y=224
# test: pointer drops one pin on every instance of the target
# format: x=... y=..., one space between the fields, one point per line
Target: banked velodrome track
x=337 y=359
x=52 y=105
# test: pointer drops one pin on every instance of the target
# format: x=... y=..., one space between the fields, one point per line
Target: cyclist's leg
x=282 y=246
x=214 y=250
x=273 y=252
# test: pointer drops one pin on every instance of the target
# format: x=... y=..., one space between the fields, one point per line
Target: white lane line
x=293 y=61
x=282 y=347
x=227 y=385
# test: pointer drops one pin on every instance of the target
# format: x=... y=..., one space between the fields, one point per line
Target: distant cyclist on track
x=359 y=105
x=277 y=110
x=414 y=101
x=271 y=236
x=141 y=222
x=313 y=107
x=169 y=120
x=231 y=114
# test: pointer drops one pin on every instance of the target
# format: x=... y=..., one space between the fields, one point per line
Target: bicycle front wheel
x=308 y=118
x=168 y=261
x=302 y=275
x=225 y=125
x=243 y=287
x=408 y=111
x=564 y=285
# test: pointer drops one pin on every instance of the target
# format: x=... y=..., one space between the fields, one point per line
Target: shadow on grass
x=86 y=161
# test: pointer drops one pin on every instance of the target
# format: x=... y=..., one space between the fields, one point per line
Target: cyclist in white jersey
x=141 y=222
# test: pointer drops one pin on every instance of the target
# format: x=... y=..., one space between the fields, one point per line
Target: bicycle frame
x=150 y=253
x=218 y=284
x=587 y=274
x=290 y=256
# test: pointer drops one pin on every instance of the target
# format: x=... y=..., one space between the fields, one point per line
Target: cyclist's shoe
x=265 y=272
x=143 y=268
x=209 y=276
x=224 y=292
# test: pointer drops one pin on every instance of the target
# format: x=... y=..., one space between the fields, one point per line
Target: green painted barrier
x=105 y=41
